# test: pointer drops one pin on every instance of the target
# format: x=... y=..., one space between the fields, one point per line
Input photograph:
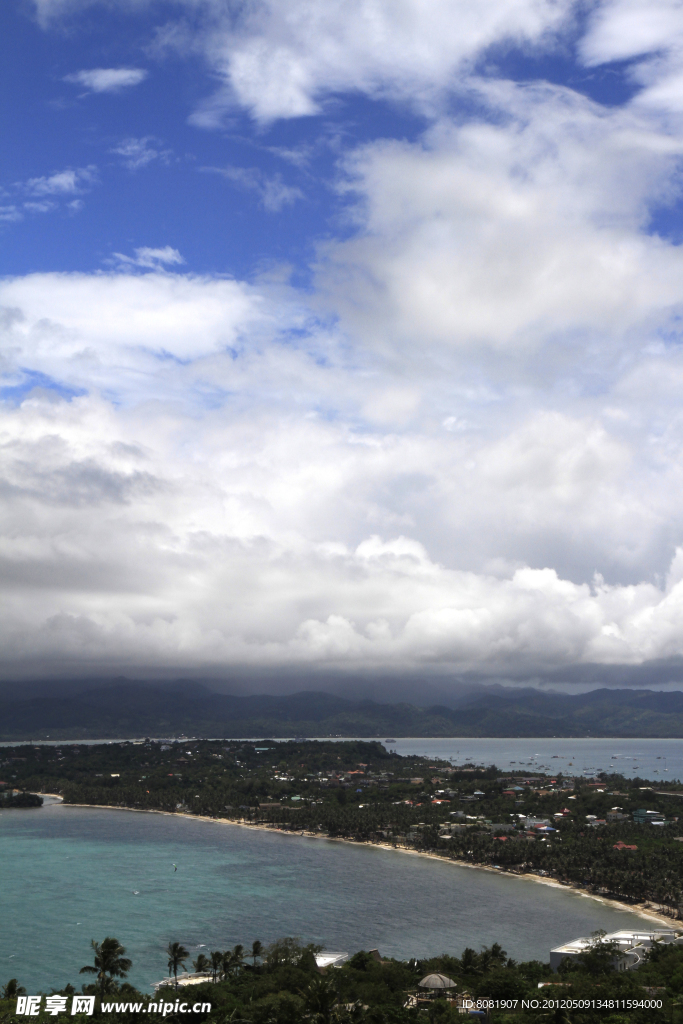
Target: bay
x=72 y=874
x=656 y=760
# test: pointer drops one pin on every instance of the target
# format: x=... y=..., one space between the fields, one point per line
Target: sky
x=342 y=337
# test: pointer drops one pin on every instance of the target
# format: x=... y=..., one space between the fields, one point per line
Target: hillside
x=129 y=709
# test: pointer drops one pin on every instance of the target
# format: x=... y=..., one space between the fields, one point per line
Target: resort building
x=642 y=817
x=631 y=945
x=327 y=959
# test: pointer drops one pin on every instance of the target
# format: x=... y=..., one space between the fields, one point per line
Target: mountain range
x=127 y=709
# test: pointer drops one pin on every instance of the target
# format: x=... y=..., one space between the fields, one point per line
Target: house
x=623 y=846
x=531 y=822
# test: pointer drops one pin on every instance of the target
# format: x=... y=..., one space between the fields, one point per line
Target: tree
x=320 y=996
x=256 y=951
x=216 y=962
x=201 y=964
x=469 y=961
x=13 y=989
x=110 y=963
x=233 y=960
x=177 y=955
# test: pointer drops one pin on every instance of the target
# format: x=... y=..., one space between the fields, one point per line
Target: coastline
x=643 y=910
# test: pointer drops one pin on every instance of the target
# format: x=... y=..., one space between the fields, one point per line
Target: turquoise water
x=71 y=874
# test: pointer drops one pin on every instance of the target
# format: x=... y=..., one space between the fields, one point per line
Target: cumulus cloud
x=460 y=246
x=460 y=450
x=108 y=79
x=223 y=497
x=283 y=60
x=84 y=329
x=119 y=551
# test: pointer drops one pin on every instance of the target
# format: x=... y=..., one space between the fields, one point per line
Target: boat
x=390 y=740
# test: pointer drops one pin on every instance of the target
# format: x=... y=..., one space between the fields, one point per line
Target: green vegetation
x=284 y=985
x=359 y=791
x=14 y=800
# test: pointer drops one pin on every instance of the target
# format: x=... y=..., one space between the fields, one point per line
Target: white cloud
x=61 y=183
x=254 y=479
x=108 y=79
x=514 y=236
x=132 y=539
x=274 y=194
x=651 y=35
x=138 y=153
x=106 y=330
x=281 y=60
x=151 y=258
x=10 y=213
x=41 y=207
x=434 y=458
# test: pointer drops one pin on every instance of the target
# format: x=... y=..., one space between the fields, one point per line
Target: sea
x=653 y=760
x=72 y=874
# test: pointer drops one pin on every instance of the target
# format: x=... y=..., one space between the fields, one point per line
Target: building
x=327 y=959
x=632 y=946
x=642 y=817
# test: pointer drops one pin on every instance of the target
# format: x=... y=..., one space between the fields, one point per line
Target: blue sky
x=156 y=176
x=341 y=337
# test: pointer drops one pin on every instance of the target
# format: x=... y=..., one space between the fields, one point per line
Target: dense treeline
x=282 y=984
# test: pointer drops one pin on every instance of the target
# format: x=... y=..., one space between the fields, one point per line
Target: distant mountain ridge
x=131 y=709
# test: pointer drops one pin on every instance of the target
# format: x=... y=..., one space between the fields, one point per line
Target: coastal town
x=615 y=838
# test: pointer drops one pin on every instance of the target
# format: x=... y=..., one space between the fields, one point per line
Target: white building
x=632 y=947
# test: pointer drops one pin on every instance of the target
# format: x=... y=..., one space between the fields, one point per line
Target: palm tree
x=13 y=989
x=177 y=955
x=233 y=960
x=109 y=961
x=216 y=962
x=320 y=996
x=256 y=951
x=201 y=964
x=468 y=961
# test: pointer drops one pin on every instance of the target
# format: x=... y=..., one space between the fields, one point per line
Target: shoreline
x=643 y=910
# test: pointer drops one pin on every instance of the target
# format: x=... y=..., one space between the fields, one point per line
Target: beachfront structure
x=436 y=982
x=327 y=959
x=632 y=947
